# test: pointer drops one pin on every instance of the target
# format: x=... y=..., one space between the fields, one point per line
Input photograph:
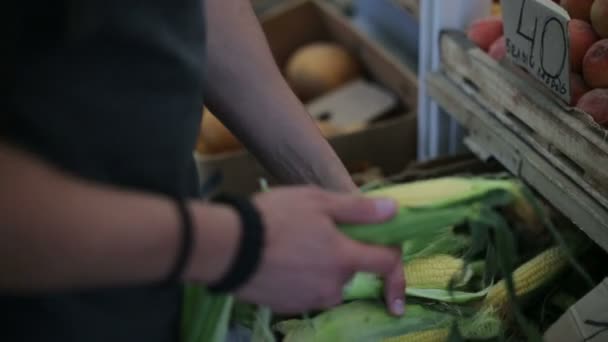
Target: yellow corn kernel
x=434 y=272
x=529 y=276
x=433 y=335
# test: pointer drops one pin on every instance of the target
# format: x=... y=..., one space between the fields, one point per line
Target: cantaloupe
x=595 y=65
x=318 y=68
x=483 y=32
x=578 y=87
x=599 y=17
x=582 y=37
x=215 y=137
x=578 y=9
x=498 y=49
x=595 y=103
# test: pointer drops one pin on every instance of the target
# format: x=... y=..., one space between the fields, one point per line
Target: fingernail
x=398 y=307
x=385 y=207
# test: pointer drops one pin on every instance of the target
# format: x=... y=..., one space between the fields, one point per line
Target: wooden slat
x=570 y=132
x=491 y=137
x=525 y=133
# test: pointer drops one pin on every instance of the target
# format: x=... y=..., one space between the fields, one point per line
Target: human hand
x=307 y=261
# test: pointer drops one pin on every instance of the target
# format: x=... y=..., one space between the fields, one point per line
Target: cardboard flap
x=587 y=320
x=357 y=102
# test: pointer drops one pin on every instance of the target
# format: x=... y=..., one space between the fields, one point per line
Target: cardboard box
x=387 y=144
x=585 y=321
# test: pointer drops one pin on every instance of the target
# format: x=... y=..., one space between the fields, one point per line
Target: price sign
x=536 y=33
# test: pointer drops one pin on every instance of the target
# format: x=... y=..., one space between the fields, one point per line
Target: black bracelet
x=185 y=248
x=250 y=247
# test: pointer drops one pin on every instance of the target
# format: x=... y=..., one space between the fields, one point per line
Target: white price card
x=537 y=39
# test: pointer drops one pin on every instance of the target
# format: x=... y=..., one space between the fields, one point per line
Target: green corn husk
x=205 y=317
x=446 y=242
x=368 y=321
x=456 y=202
x=448 y=191
x=368 y=286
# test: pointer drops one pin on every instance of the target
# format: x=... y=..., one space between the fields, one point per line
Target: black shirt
x=111 y=91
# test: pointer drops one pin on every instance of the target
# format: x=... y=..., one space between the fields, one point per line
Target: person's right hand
x=307 y=260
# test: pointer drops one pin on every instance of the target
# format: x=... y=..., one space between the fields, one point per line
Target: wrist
x=216 y=236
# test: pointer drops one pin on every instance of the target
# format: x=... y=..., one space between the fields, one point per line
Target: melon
x=599 y=17
x=582 y=37
x=483 y=32
x=578 y=9
x=215 y=137
x=318 y=68
x=595 y=65
x=595 y=103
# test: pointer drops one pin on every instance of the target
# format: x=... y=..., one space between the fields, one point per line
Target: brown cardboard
x=577 y=324
x=388 y=144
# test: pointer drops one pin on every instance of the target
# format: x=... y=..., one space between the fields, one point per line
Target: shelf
x=557 y=151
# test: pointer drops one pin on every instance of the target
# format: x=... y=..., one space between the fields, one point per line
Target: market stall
x=500 y=171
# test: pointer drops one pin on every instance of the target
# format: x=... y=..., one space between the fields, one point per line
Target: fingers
x=394 y=290
x=359 y=210
x=386 y=263
x=372 y=259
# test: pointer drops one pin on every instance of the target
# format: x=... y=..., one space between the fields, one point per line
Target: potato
x=595 y=65
x=498 y=50
x=484 y=32
x=599 y=17
x=578 y=87
x=578 y=9
x=595 y=103
x=582 y=37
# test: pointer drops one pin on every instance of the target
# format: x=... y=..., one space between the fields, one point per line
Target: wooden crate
x=559 y=151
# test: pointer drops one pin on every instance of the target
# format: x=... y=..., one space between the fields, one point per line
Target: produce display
x=470 y=267
x=311 y=71
x=588 y=32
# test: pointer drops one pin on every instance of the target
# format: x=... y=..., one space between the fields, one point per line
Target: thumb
x=353 y=209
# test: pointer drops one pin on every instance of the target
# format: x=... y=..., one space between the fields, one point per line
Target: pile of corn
x=456 y=240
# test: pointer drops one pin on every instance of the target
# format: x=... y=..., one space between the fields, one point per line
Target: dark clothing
x=110 y=91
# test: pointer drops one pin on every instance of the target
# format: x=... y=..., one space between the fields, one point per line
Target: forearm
x=246 y=90
x=57 y=232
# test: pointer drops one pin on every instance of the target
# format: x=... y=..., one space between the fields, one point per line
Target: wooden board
x=576 y=144
x=501 y=139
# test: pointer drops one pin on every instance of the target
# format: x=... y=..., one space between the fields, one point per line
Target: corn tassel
x=528 y=277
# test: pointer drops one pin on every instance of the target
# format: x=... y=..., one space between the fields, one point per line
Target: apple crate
x=509 y=116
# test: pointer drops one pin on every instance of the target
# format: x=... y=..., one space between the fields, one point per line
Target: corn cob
x=435 y=272
x=432 y=335
x=449 y=191
x=362 y=321
x=529 y=276
x=369 y=321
